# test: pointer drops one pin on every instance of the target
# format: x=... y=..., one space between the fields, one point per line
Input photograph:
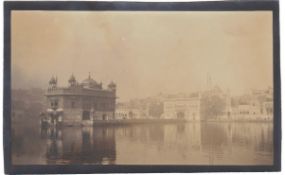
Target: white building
x=182 y=107
x=124 y=112
x=258 y=107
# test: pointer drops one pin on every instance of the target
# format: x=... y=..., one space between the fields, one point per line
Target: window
x=86 y=115
x=55 y=103
x=104 y=117
x=72 y=104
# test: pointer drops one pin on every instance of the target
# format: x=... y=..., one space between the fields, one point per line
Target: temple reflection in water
x=186 y=143
x=90 y=146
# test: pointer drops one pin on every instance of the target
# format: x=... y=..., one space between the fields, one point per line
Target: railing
x=80 y=91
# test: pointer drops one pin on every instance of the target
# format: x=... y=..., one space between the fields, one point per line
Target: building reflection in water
x=185 y=143
x=195 y=143
x=240 y=142
x=86 y=145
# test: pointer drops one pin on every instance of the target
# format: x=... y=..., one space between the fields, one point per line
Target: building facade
x=125 y=113
x=182 y=107
x=257 y=106
x=81 y=103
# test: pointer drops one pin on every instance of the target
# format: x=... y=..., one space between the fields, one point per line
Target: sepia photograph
x=103 y=87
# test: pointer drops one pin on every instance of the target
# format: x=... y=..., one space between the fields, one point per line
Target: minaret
x=72 y=81
x=209 y=83
x=52 y=83
x=112 y=86
x=89 y=76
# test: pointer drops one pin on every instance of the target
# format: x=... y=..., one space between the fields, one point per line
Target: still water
x=187 y=144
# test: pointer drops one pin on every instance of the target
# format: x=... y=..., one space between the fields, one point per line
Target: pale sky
x=144 y=53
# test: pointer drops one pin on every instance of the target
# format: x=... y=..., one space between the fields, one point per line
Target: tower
x=72 y=81
x=52 y=83
x=112 y=86
x=209 y=83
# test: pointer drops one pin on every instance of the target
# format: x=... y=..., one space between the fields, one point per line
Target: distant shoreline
x=163 y=121
x=146 y=121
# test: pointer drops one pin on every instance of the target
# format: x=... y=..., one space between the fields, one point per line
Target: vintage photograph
x=142 y=87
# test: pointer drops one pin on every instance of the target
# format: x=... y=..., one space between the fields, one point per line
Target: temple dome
x=90 y=83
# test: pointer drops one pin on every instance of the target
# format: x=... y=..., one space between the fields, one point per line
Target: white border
x=282 y=48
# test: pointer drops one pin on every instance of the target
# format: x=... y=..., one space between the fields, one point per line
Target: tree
x=155 y=109
x=212 y=105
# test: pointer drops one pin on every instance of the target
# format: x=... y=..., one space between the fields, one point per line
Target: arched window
x=56 y=103
x=72 y=104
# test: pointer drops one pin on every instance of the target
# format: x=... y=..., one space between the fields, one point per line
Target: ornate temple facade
x=80 y=103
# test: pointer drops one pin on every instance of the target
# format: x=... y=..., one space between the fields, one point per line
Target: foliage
x=27 y=104
x=212 y=105
x=155 y=109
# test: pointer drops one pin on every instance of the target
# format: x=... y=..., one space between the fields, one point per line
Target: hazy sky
x=145 y=53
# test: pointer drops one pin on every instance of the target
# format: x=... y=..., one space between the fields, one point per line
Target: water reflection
x=189 y=143
x=84 y=145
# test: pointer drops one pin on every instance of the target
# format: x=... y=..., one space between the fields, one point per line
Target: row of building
x=88 y=101
x=258 y=105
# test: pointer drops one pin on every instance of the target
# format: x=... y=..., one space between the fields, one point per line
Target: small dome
x=112 y=85
x=72 y=79
x=53 y=80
